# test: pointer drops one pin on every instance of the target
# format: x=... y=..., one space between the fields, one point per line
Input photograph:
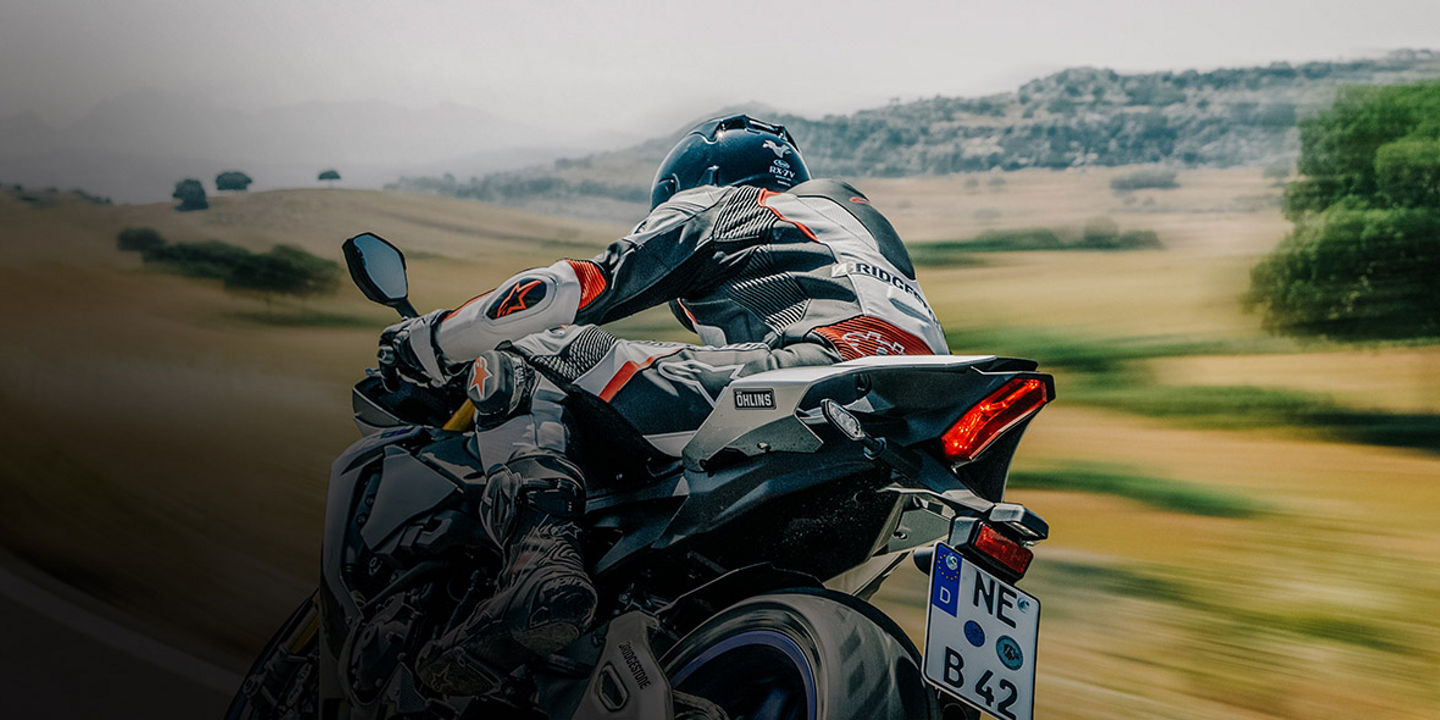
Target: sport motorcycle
x=733 y=581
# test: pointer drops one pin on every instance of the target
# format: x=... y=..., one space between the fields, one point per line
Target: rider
x=770 y=268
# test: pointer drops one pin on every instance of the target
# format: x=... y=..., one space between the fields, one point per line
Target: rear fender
x=686 y=612
x=626 y=679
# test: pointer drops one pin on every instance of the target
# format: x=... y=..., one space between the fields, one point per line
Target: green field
x=1216 y=552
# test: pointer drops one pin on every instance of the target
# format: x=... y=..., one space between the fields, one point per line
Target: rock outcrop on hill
x=1076 y=117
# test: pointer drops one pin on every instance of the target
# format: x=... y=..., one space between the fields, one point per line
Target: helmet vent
x=739 y=122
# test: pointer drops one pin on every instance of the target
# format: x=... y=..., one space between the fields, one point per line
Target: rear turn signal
x=1003 y=409
x=1002 y=549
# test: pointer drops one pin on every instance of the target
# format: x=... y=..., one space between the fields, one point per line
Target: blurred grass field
x=1216 y=551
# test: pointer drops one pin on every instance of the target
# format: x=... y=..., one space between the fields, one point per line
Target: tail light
x=1002 y=549
x=983 y=544
x=990 y=418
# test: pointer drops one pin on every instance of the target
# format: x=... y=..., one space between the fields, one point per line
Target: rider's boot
x=544 y=597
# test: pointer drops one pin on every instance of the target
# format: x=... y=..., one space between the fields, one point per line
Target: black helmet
x=736 y=150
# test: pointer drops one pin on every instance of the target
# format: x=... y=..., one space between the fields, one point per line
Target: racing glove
x=408 y=351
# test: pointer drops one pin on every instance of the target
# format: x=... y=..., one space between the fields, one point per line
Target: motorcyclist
x=770 y=268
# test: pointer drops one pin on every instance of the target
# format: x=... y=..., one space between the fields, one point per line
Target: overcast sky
x=643 y=65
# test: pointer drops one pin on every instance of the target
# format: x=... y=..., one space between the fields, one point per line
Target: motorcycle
x=733 y=581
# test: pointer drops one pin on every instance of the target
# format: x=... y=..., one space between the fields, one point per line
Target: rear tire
x=804 y=655
x=284 y=681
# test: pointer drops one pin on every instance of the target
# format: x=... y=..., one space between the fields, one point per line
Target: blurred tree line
x=191 y=192
x=1363 y=259
x=283 y=270
x=504 y=188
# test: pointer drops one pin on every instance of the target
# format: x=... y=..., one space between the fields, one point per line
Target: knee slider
x=500 y=387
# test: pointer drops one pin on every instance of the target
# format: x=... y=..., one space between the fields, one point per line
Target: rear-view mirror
x=378 y=269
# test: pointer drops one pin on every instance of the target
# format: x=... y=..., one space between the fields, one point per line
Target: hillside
x=171 y=439
x=176 y=436
x=1074 y=118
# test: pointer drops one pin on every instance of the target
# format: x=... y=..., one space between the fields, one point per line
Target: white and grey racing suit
x=813 y=275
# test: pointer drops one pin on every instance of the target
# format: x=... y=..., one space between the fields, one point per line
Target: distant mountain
x=1076 y=117
x=134 y=147
x=612 y=186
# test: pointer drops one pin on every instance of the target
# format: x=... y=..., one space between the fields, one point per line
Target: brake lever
x=388 y=372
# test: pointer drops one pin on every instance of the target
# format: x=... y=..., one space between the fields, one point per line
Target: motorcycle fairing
x=377 y=408
x=907 y=400
x=340 y=502
x=748 y=431
x=378 y=487
x=363 y=449
x=410 y=488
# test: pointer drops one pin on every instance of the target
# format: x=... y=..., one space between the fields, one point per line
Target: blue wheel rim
x=793 y=696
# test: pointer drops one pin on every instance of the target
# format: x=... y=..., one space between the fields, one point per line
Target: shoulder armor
x=846 y=196
x=679 y=209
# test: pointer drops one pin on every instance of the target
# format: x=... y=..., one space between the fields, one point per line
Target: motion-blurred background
x=1218 y=223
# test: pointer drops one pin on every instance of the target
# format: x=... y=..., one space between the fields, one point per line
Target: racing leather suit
x=810 y=276
x=815 y=270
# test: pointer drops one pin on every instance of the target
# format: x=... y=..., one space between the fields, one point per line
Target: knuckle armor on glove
x=541 y=484
x=415 y=355
x=500 y=386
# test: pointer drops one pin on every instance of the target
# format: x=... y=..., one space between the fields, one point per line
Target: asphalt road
x=60 y=660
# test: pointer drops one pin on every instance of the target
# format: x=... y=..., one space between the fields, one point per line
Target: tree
x=1407 y=172
x=233 y=180
x=286 y=269
x=1339 y=147
x=329 y=175
x=208 y=259
x=191 y=195
x=1145 y=179
x=1099 y=232
x=139 y=239
x=1361 y=261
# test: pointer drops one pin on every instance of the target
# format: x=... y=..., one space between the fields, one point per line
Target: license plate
x=980 y=634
